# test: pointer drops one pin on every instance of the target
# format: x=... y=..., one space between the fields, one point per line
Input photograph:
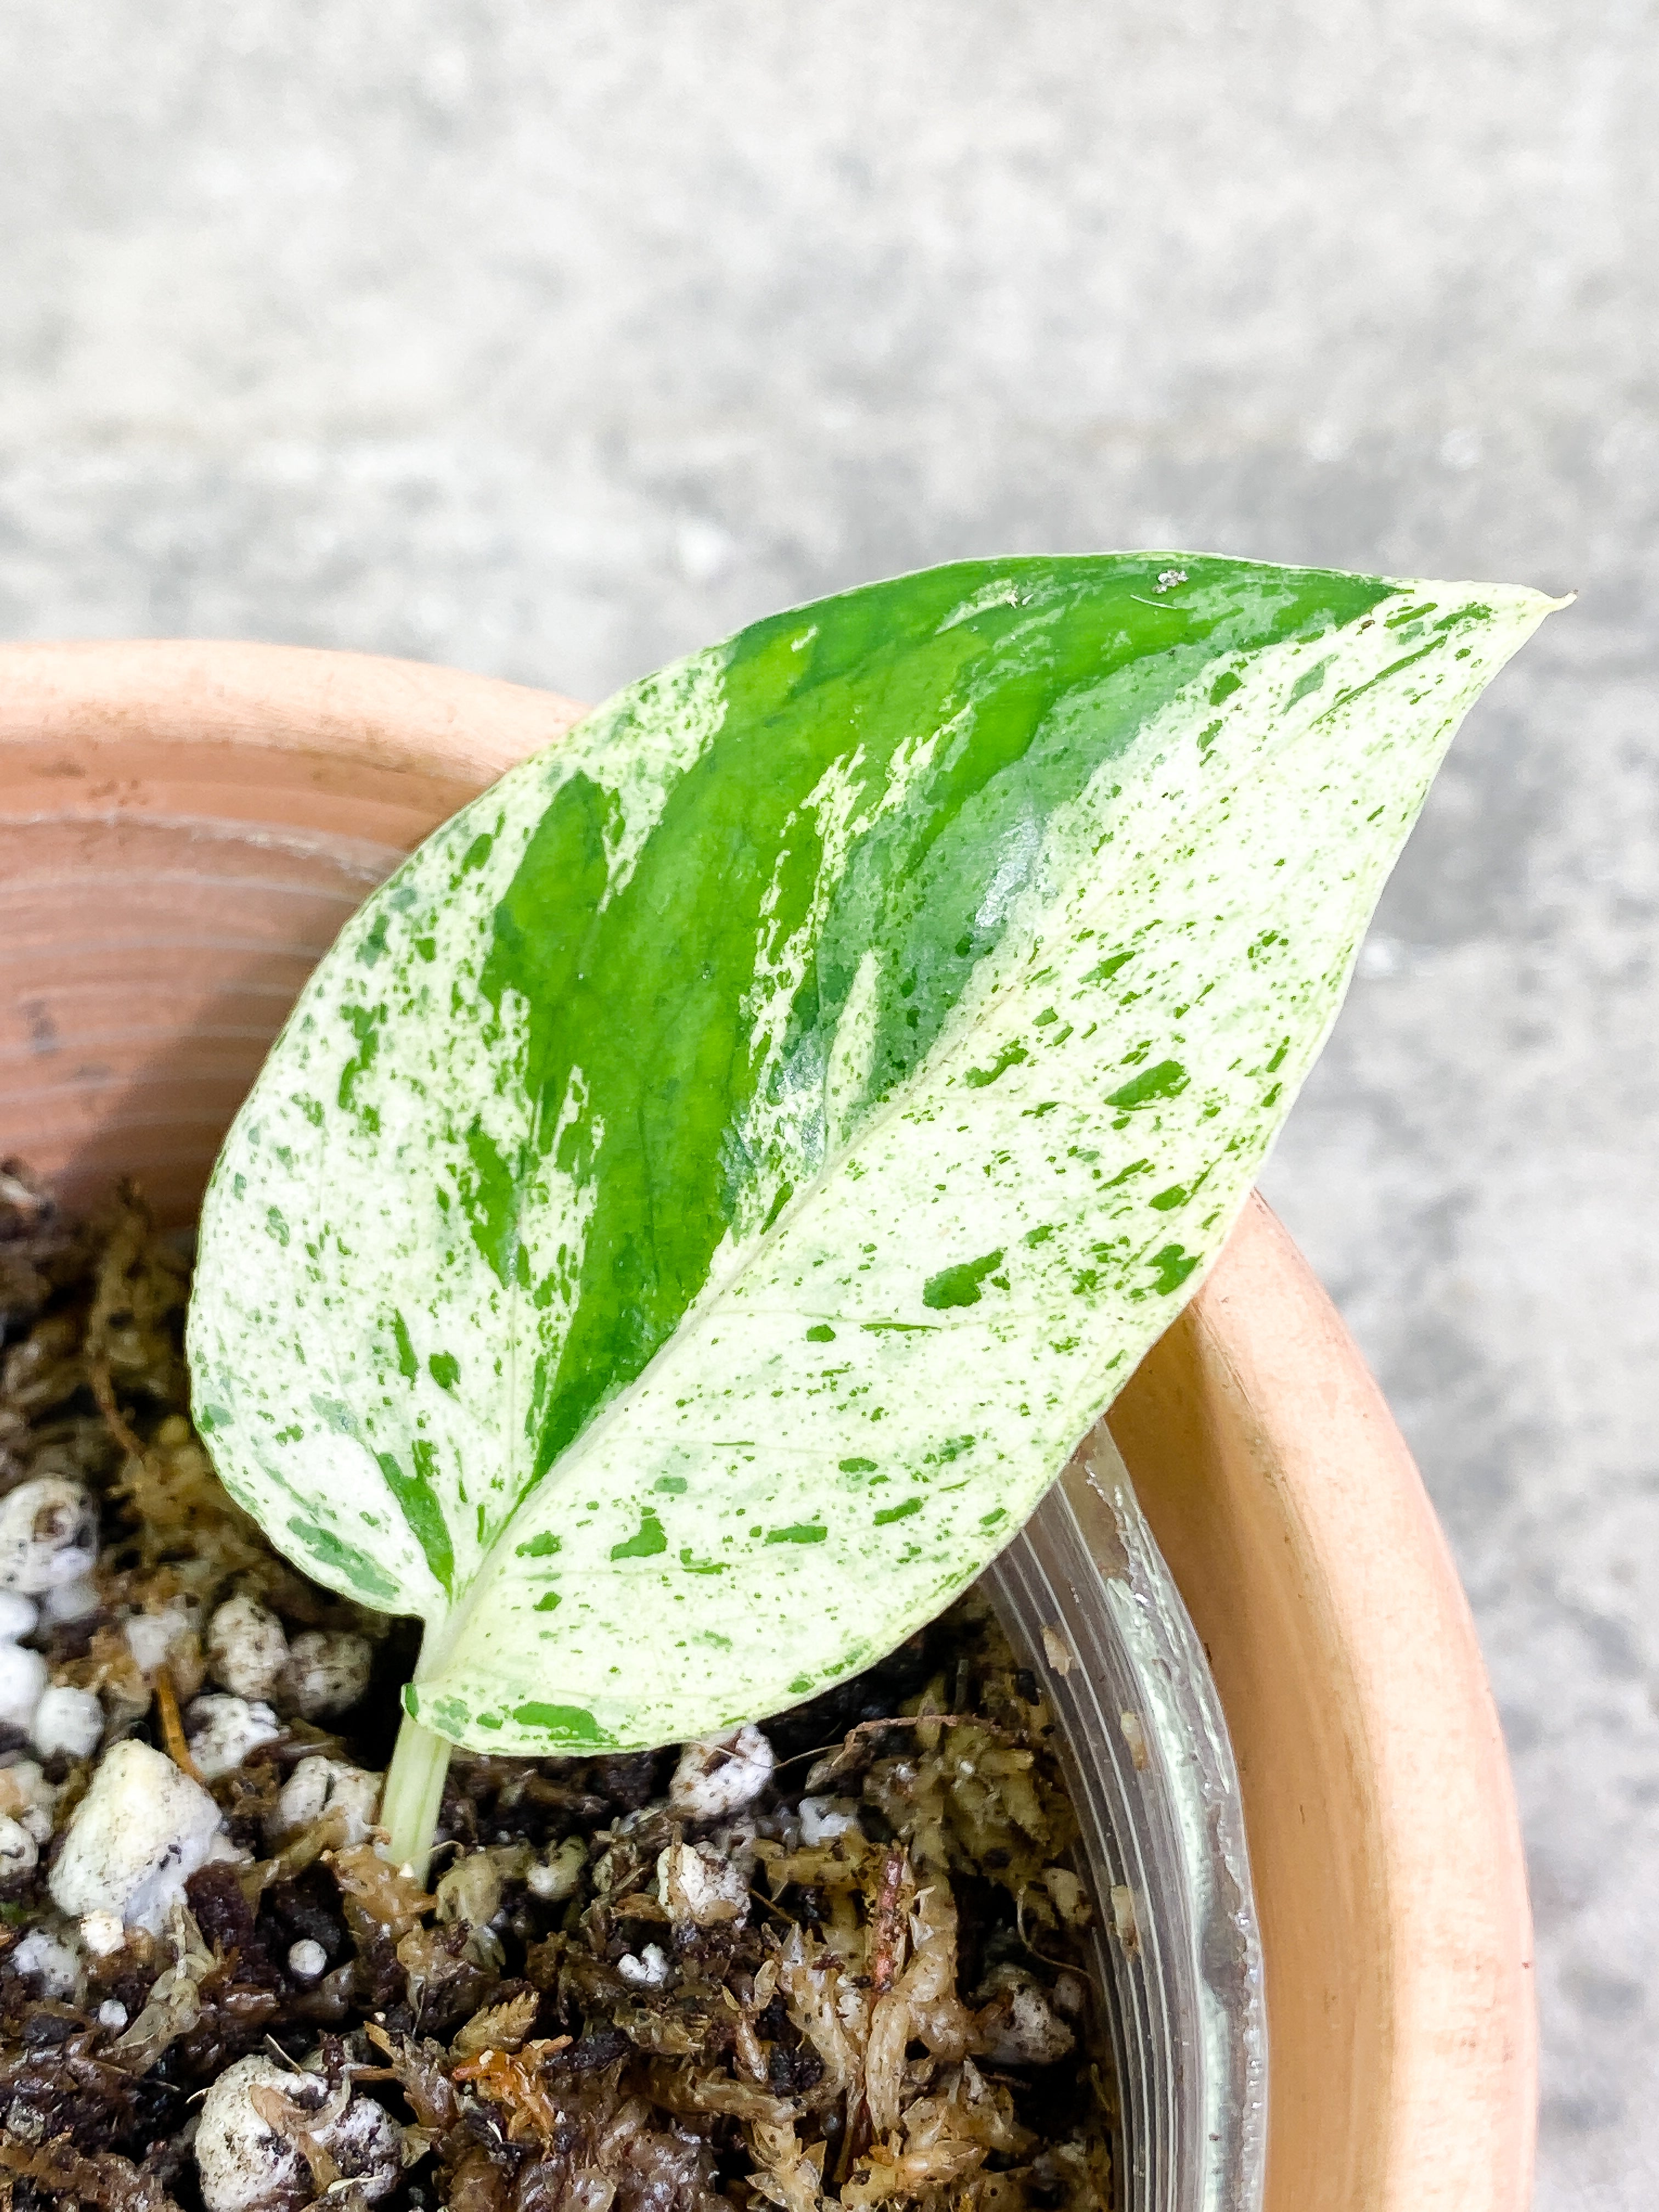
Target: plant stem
x=413 y=1792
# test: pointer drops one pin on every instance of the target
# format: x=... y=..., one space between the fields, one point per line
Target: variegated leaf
x=702 y=1199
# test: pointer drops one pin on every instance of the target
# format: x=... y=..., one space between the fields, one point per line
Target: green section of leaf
x=566 y=1726
x=862 y=1035
x=331 y=1561
x=645 y=1543
x=1167 y=1080
x=959 y=1285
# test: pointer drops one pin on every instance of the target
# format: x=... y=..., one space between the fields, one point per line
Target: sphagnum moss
x=841 y=1956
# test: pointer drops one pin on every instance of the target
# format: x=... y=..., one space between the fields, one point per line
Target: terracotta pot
x=183 y=829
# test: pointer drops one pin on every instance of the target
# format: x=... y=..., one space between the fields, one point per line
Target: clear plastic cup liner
x=1085 y=1598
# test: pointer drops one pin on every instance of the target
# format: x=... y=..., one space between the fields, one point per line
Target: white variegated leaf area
x=701 y=1201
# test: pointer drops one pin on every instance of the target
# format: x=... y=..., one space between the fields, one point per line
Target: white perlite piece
x=648 y=1971
x=367 y=2144
x=222 y=1731
x=48 y=1534
x=19 y=1616
x=246 y=1648
x=824 y=1819
x=557 y=1876
x=1018 y=2026
x=720 y=1774
x=67 y=1720
x=72 y=1600
x=112 y=2013
x=306 y=1959
x=151 y=1636
x=697 y=1885
x=23 y=1676
x=141 y=1830
x=246 y=2166
x=29 y=1798
x=50 y=1956
x=319 y=1786
x=102 y=1934
x=19 y=1852
x=327 y=1672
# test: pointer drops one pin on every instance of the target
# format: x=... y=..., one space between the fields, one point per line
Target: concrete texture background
x=551 y=340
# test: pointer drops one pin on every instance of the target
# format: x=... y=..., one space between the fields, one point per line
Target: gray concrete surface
x=552 y=339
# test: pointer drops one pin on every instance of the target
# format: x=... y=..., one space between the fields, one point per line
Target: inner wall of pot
x=1088 y=1602
x=158 y=916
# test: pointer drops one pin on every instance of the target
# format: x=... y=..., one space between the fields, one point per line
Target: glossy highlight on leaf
x=699 y=1202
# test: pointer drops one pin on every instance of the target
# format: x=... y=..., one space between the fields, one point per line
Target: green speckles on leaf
x=337 y=1413
x=1225 y=686
x=568 y=1726
x=799 y=1532
x=1309 y=681
x=365 y=1024
x=1165 y=1201
x=489 y=1198
x=901 y=1512
x=820 y=1333
x=276 y=1226
x=855 y=1466
x=548 y=1601
x=417 y=1501
x=329 y=1552
x=374 y=939
x=445 y=1369
x=1128 y=1174
x=674 y=1484
x=645 y=1543
x=800 y=1684
x=978 y=1078
x=1171 y=1267
x=1103 y=971
x=541 y=1546
x=408 y=1365
x=959 y=1285
x=1383 y=675
x=1168 y=1079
